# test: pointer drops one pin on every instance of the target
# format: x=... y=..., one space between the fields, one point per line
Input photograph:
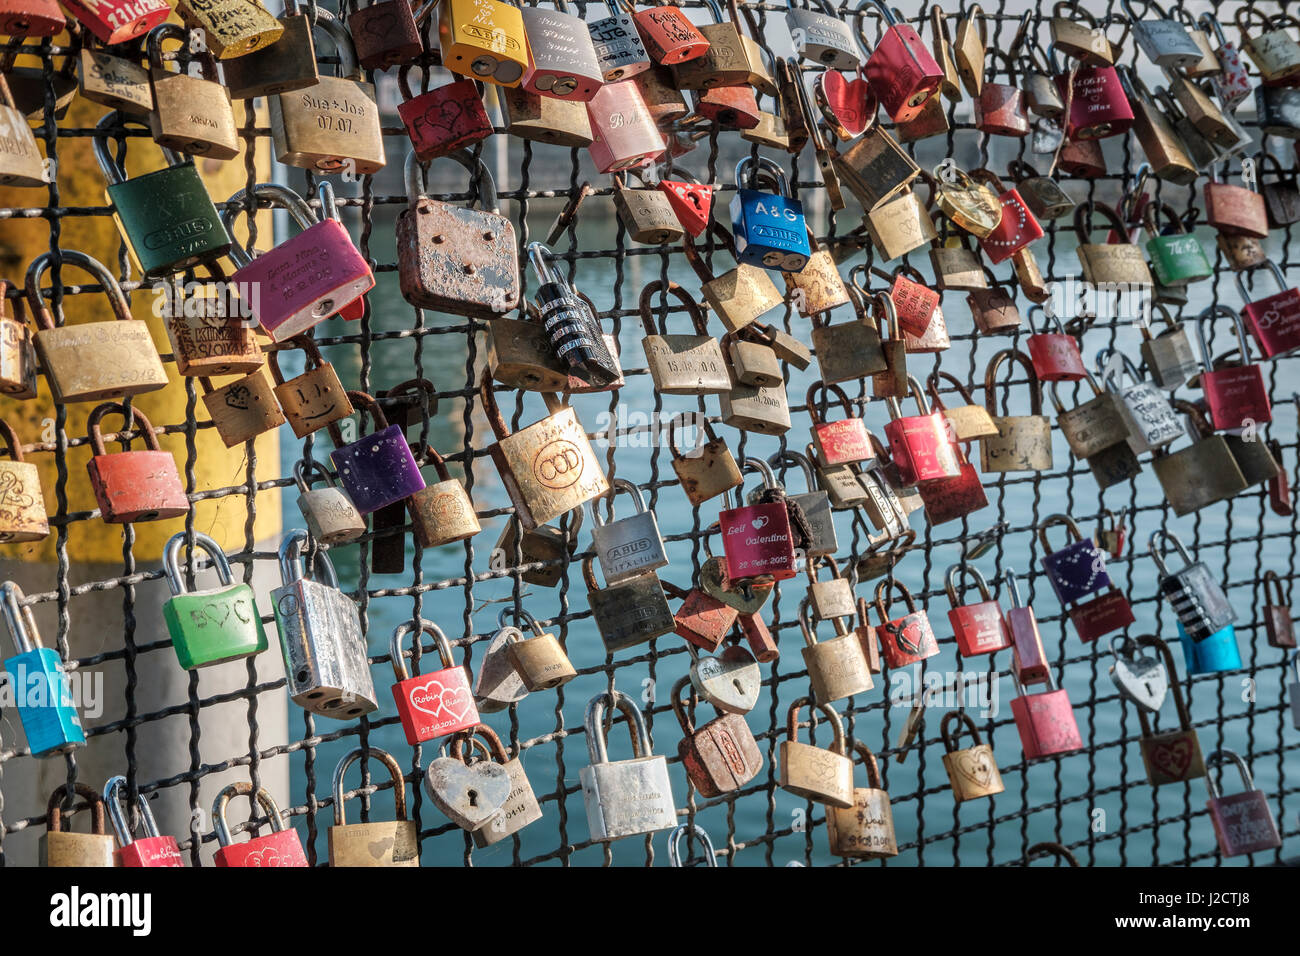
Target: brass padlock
x=315 y=399
x=1116 y=263
x=956 y=265
x=941 y=50
x=545 y=545
x=969 y=49
x=849 y=350
x=816 y=773
x=1042 y=194
x=727 y=60
x=681 y=364
x=756 y=408
x=231 y=28
x=836 y=668
x=1085 y=41
x=191 y=114
x=540 y=660
x=442 y=513
x=520 y=354
x=1023 y=442
x=1094 y=426
x=739 y=296
x=22 y=507
x=1164 y=148
x=204 y=340
x=646 y=214
x=970 y=422
x=17 y=357
x=899 y=225
x=389 y=843
x=546 y=119
x=243 y=409
x=818 y=286
x=875 y=168
x=20 y=161
x=61 y=847
x=833 y=598
x=751 y=363
x=286 y=65
x=972 y=771
x=1272 y=50
x=706 y=471
x=113 y=80
x=866 y=831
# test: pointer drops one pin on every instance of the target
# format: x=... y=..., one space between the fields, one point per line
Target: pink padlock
x=624 y=134
x=1046 y=722
x=921 y=445
x=756 y=541
x=302 y=282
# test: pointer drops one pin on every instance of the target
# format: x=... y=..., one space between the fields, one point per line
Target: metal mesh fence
x=1096 y=802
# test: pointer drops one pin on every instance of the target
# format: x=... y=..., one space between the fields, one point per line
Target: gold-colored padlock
x=22 y=504
x=17 y=357
x=388 y=843
x=900 y=225
x=969 y=49
x=62 y=848
x=738 y=296
x=646 y=214
x=243 y=409
x=231 y=28
x=191 y=114
x=540 y=660
x=545 y=119
x=1023 y=442
x=442 y=513
x=315 y=399
x=112 y=80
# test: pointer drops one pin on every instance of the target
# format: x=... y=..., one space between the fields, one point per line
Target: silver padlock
x=562 y=58
x=619 y=48
x=1166 y=42
x=816 y=505
x=470 y=794
x=730 y=681
x=624 y=797
x=822 y=38
x=1146 y=410
x=497 y=684
x=630 y=546
x=325 y=661
x=331 y=516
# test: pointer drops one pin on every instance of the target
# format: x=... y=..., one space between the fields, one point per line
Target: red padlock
x=903 y=640
x=1046 y=722
x=848 y=106
x=702 y=619
x=728 y=107
x=1096 y=104
x=1029 y=661
x=444 y=120
x=436 y=704
x=281 y=847
x=1100 y=615
x=1278 y=624
x=1243 y=822
x=1055 y=355
x=920 y=445
x=151 y=849
x=840 y=442
x=1236 y=210
x=915 y=304
x=980 y=628
x=691 y=201
x=133 y=485
x=951 y=498
x=1018 y=226
x=669 y=35
x=118 y=21
x=1274 y=320
x=1234 y=393
x=384 y=33
x=901 y=69
x=1000 y=109
x=756 y=541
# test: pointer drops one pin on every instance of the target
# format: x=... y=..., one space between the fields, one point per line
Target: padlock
x=993 y=308
x=231 y=28
x=113 y=22
x=681 y=364
x=720 y=756
x=759 y=638
x=1097 y=106
x=900 y=69
x=315 y=399
x=22 y=505
x=133 y=486
x=42 y=692
x=545 y=119
x=212 y=625
x=1094 y=427
x=17 y=356
x=1204 y=473
x=1109 y=263
x=1173 y=756
x=1017 y=228
x=497 y=684
x=624 y=797
x=1281 y=196
x=1085 y=40
x=305 y=280
x=697 y=833
x=1187 y=147
x=1042 y=97
x=967 y=422
x=166 y=217
x=738 y=296
x=1023 y=442
x=61 y=847
x=37 y=18
x=126 y=360
x=934 y=337
x=1208 y=65
x=392 y=843
x=22 y=89
x=874 y=168
x=837 y=668
x=520 y=807
x=769 y=229
x=471 y=794
x=1165 y=41
x=1243 y=822
x=1167 y=152
x=951 y=498
x=571 y=323
x=204 y=341
x=1055 y=354
x=379 y=468
x=385 y=34
x=955 y=264
x=1235 y=393
x=191 y=114
x=979 y=628
x=281 y=847
x=1108 y=611
x=972 y=771
x=1042 y=195
x=707 y=470
x=920 y=444
x=1078 y=569
x=1146 y=411
x=850 y=350
x=1274 y=320
x=243 y=409
x=730 y=681
x=1168 y=356
x=1232 y=84
x=152 y=849
x=822 y=37
x=815 y=505
x=620 y=51
x=629 y=613
x=966 y=201
x=1144 y=680
x=521 y=356
x=691 y=200
x=442 y=120
x=669 y=35
x=865 y=831
x=484 y=40
x=328 y=672
x=941 y=48
x=757 y=538
x=629 y=546
x=1277 y=613
x=1000 y=108
x=839 y=442
x=1275 y=54
x=333 y=125
x=884 y=554
x=331 y=516
x=703 y=619
x=286 y=65
x=442 y=513
x=540 y=660
x=904 y=640
x=1278 y=111
x=1236 y=210
x=1081 y=158
x=816 y=773
x=562 y=60
x=645 y=213
x=545 y=545
x=756 y=408
x=899 y=225
x=1197 y=599
x=1045 y=721
x=436 y=704
x=818 y=286
x=970 y=49
x=1222 y=132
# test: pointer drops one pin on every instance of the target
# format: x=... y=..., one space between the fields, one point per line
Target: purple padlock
x=1078 y=569
x=379 y=469
x=302 y=282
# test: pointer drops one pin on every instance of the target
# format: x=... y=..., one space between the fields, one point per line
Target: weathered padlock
x=22 y=505
x=703 y=619
x=1055 y=355
x=442 y=120
x=720 y=756
x=1167 y=153
x=1168 y=356
x=436 y=704
x=152 y=849
x=839 y=442
x=629 y=546
x=1023 y=442
x=191 y=114
x=1001 y=108
x=281 y=847
x=392 y=843
x=1146 y=411
x=903 y=640
x=815 y=505
x=540 y=660
x=306 y=279
x=1278 y=111
x=707 y=470
x=1234 y=391
x=315 y=399
x=1094 y=427
x=836 y=668
x=484 y=40
x=624 y=797
x=231 y=28
x=1231 y=84
x=769 y=228
x=1278 y=625
x=17 y=356
x=1202 y=474
x=1017 y=228
x=115 y=21
x=385 y=34
x=204 y=340
x=1196 y=597
x=132 y=486
x=645 y=213
x=44 y=695
x=126 y=360
x=331 y=516
x=851 y=350
x=1173 y=756
x=325 y=662
x=1282 y=195
x=545 y=119
x=471 y=794
x=1098 y=106
x=979 y=628
x=442 y=513
x=1043 y=195
x=377 y=469
x=1045 y=721
x=972 y=771
x=865 y=831
x=1274 y=320
x=1108 y=263
x=756 y=408
x=630 y=613
x=822 y=37
x=900 y=69
x=738 y=296
x=286 y=65
x=1275 y=54
x=920 y=445
x=1084 y=40
x=681 y=364
x=729 y=681
x=1236 y=210
x=816 y=773
x=546 y=545
x=61 y=847
x=212 y=625
x=948 y=499
x=521 y=807
x=333 y=125
x=993 y=308
x=243 y=409
x=697 y=833
x=1243 y=822
x=899 y=225
x=874 y=168
x=497 y=684
x=669 y=35
x=37 y=18
x=818 y=286
x=968 y=202
x=970 y=48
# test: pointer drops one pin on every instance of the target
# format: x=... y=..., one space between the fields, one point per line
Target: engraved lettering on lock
x=558 y=465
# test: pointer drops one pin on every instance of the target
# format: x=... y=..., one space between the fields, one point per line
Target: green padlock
x=213 y=626
x=166 y=217
x=1176 y=259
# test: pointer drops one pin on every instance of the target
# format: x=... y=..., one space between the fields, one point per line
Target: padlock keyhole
x=473 y=798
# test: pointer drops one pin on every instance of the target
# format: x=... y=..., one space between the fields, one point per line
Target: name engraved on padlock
x=127 y=13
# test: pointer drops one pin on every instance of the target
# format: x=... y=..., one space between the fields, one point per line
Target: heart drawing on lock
x=239 y=397
x=433 y=698
x=379 y=848
x=217 y=613
x=267 y=857
x=759 y=523
x=975 y=766
x=1172 y=759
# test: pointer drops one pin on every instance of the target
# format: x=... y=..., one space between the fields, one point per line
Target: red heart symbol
x=1172 y=759
x=845 y=100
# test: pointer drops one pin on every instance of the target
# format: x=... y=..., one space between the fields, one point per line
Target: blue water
x=1099 y=795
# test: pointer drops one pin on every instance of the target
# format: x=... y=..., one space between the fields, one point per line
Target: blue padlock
x=769 y=228
x=1196 y=597
x=1078 y=569
x=1214 y=655
x=40 y=685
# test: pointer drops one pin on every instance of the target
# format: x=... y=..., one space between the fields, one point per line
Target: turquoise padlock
x=1214 y=655
x=39 y=683
x=212 y=626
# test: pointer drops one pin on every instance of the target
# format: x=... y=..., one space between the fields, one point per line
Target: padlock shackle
x=593 y=724
x=55 y=823
x=932 y=389
x=1110 y=374
x=394 y=771
x=174 y=31
x=956 y=588
x=274 y=194
x=349 y=66
x=1215 y=761
x=397 y=653
x=1240 y=278
x=764 y=165
x=292 y=546
x=760 y=466
x=1180 y=703
x=1209 y=19
x=242 y=789
x=9 y=439
x=364 y=404
x=838 y=744
x=1209 y=315
x=1013 y=589
x=113 y=789
x=588 y=574
x=684 y=711
x=868 y=760
x=70 y=257
x=802 y=461
x=816 y=409
x=490 y=744
x=1083 y=220
x=883 y=600
x=1050 y=849
x=949 y=738
x=698 y=319
x=540 y=258
x=615 y=486
x=19 y=618
x=1015 y=356
x=309 y=347
x=523 y=614
x=1051 y=521
x=1159 y=548
x=201 y=542
x=675 y=844
x=305 y=469
x=1271 y=582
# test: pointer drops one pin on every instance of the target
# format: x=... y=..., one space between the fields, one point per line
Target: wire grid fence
x=755 y=824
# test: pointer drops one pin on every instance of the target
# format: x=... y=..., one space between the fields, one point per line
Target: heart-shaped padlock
x=498 y=684
x=1143 y=680
x=745 y=598
x=469 y=794
x=730 y=681
x=848 y=106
